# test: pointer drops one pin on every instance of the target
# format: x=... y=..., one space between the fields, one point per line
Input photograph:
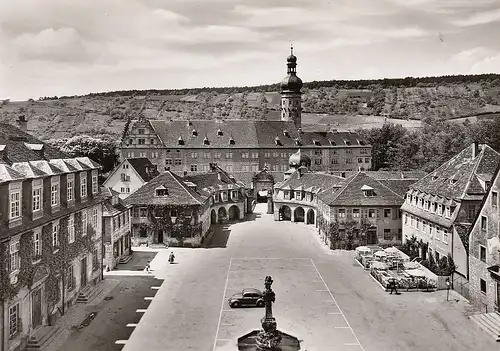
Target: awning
x=494 y=272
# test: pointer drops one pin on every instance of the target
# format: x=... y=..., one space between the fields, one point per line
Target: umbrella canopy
x=391 y=250
x=381 y=254
x=411 y=265
x=379 y=265
x=363 y=249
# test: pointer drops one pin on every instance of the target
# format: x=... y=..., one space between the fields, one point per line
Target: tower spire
x=291 y=49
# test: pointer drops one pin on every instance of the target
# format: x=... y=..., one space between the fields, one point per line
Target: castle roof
x=245 y=134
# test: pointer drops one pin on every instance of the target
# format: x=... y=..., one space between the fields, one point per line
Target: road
x=322 y=297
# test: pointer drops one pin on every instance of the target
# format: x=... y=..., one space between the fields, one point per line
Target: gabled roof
x=352 y=193
x=178 y=192
x=211 y=178
x=463 y=168
x=143 y=167
x=109 y=209
x=245 y=133
x=8 y=174
x=19 y=146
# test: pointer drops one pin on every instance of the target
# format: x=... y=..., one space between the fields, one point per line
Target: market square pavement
x=322 y=297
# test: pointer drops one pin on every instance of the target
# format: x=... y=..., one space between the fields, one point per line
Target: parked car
x=247 y=297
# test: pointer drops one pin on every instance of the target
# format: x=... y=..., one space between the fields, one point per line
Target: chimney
x=475 y=149
x=185 y=173
x=22 y=123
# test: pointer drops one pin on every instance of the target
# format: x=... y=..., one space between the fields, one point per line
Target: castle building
x=364 y=199
x=190 y=146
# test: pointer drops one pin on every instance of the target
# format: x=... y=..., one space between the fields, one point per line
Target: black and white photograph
x=266 y=175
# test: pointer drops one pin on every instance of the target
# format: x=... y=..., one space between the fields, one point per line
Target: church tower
x=291 y=105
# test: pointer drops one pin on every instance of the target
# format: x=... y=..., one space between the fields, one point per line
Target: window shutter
x=394 y=213
x=364 y=213
x=378 y=213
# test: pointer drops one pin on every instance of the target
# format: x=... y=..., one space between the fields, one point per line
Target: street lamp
x=448 y=285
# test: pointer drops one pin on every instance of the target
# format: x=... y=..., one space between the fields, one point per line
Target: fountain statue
x=269 y=338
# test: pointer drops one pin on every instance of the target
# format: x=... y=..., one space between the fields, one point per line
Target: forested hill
x=408 y=98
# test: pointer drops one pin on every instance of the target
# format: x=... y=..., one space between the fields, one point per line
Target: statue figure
x=269 y=338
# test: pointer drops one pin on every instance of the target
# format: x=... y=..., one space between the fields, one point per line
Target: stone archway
x=285 y=213
x=213 y=217
x=310 y=216
x=234 y=213
x=222 y=214
x=298 y=214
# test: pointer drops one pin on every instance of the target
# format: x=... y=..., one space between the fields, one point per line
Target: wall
x=115 y=182
x=483 y=237
x=460 y=256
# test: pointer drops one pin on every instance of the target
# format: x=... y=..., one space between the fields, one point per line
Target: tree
x=102 y=151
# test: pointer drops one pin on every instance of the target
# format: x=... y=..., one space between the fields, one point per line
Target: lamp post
x=448 y=285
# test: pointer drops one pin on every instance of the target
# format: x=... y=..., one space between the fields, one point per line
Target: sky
x=73 y=47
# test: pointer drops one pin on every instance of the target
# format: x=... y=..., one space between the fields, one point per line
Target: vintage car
x=247 y=297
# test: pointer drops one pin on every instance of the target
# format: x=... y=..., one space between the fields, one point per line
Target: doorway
x=371 y=236
x=160 y=236
x=36 y=308
x=83 y=272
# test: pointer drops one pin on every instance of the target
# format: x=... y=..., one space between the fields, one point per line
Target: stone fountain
x=269 y=338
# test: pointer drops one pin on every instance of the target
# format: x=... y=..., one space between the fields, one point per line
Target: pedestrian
x=171 y=258
x=393 y=286
x=148 y=267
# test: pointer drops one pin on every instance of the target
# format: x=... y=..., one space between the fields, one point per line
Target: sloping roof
x=245 y=133
x=351 y=194
x=178 y=192
x=394 y=175
x=19 y=146
x=211 y=178
x=310 y=179
x=462 y=168
x=141 y=165
x=399 y=186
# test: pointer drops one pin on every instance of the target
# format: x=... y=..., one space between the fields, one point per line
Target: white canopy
x=381 y=254
x=363 y=249
x=391 y=250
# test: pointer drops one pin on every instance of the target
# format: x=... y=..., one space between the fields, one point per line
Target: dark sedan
x=247 y=297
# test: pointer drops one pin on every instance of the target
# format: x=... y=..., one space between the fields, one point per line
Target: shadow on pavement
x=253 y=216
x=219 y=238
x=138 y=261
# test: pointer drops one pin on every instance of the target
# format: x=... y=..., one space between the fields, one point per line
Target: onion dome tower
x=298 y=160
x=291 y=101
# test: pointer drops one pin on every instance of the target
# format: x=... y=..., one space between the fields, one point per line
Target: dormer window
x=316 y=143
x=347 y=142
x=180 y=141
x=367 y=191
x=360 y=142
x=453 y=181
x=333 y=143
x=434 y=177
x=161 y=191
x=189 y=123
x=298 y=142
x=285 y=133
x=277 y=141
x=231 y=141
x=219 y=132
x=195 y=132
x=205 y=141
